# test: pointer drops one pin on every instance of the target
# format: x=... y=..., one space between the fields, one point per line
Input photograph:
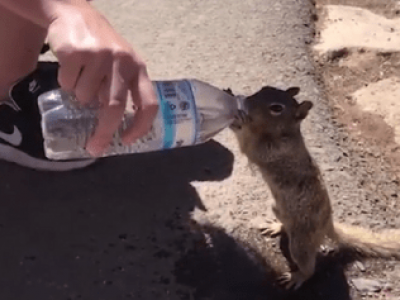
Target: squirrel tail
x=367 y=243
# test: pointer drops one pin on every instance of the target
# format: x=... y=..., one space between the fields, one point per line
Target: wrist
x=41 y=12
x=54 y=9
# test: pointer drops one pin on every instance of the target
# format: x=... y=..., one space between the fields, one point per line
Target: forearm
x=40 y=12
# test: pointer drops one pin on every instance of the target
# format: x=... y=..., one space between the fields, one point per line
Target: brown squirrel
x=269 y=135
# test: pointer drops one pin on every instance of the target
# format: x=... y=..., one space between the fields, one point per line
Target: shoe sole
x=18 y=157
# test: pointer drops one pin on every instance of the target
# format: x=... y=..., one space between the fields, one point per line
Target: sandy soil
x=360 y=75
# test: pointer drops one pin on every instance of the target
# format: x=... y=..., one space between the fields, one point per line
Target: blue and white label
x=178 y=111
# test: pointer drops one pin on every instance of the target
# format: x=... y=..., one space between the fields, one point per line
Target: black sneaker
x=21 y=139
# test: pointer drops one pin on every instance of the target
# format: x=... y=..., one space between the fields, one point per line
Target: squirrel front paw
x=241 y=118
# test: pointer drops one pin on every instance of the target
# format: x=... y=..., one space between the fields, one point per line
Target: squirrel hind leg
x=292 y=280
x=304 y=256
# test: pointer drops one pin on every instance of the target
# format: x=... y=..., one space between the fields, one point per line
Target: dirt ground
x=373 y=154
x=352 y=69
x=370 y=156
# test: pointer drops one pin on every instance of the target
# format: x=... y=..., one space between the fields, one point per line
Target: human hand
x=97 y=64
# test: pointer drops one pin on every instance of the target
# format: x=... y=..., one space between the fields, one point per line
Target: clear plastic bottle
x=190 y=112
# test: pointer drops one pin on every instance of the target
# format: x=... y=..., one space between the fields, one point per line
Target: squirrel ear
x=293 y=91
x=302 y=109
x=229 y=91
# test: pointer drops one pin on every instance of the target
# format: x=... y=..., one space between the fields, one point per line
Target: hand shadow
x=110 y=231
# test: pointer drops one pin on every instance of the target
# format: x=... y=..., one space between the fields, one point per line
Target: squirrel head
x=276 y=111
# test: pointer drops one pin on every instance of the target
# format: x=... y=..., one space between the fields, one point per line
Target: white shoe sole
x=14 y=155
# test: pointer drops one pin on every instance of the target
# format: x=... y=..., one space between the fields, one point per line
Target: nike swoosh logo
x=14 y=138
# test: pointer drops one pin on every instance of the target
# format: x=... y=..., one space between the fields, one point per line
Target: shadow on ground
x=119 y=230
x=111 y=231
x=224 y=269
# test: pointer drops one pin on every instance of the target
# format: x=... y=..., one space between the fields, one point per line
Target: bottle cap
x=240 y=99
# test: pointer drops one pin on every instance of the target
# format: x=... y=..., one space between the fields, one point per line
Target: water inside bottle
x=67 y=125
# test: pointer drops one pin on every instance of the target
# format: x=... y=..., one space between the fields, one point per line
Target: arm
x=40 y=12
x=96 y=64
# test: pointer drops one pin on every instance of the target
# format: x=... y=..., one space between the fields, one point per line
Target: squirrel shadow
x=329 y=280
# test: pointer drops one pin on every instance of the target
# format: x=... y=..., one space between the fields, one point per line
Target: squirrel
x=269 y=134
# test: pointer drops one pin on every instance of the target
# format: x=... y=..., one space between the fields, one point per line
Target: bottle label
x=178 y=111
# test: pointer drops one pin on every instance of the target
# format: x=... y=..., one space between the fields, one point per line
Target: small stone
x=367 y=285
x=359 y=265
x=387 y=287
x=396 y=272
x=327 y=167
x=318 y=150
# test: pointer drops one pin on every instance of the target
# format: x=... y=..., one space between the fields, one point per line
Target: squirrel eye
x=276 y=108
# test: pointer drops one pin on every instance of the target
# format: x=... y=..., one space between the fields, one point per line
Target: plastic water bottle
x=190 y=112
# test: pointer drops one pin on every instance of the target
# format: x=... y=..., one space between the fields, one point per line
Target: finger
x=110 y=116
x=91 y=78
x=145 y=99
x=69 y=72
